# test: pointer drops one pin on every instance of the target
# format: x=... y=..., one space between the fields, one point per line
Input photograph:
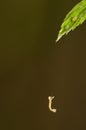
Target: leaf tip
x=58 y=38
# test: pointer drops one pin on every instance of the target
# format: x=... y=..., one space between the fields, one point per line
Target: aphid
x=74 y=18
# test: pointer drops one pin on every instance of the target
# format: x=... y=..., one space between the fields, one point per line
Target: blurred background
x=33 y=67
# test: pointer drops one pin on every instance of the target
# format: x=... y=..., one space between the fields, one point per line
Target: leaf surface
x=73 y=19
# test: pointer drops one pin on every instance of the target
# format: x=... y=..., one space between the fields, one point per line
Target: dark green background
x=32 y=67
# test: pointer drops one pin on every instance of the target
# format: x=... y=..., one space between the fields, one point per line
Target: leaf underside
x=73 y=19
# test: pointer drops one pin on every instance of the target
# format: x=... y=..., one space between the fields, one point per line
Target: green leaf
x=73 y=19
